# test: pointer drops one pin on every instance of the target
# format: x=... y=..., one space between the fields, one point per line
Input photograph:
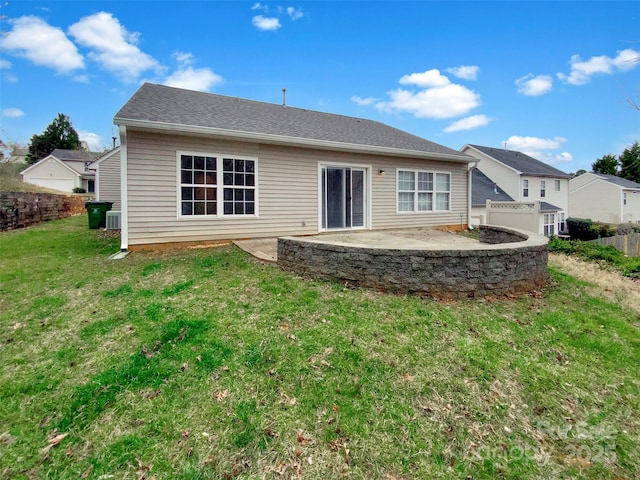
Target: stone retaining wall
x=22 y=209
x=488 y=270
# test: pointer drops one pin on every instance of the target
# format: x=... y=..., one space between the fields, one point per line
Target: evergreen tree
x=59 y=134
x=607 y=164
x=630 y=162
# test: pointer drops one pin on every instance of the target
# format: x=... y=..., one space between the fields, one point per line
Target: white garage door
x=62 y=184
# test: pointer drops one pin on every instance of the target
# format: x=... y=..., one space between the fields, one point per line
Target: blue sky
x=552 y=79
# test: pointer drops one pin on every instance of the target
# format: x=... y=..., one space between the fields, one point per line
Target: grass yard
x=205 y=364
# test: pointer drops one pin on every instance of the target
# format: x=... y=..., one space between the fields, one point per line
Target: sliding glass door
x=343 y=197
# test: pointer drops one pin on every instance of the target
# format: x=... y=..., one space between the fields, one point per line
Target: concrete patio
x=266 y=249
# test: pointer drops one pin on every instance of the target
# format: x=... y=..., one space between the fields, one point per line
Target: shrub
x=632 y=268
x=79 y=190
x=626 y=228
x=561 y=246
x=605 y=230
x=581 y=229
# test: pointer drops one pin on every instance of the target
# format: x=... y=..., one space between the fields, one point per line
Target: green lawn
x=203 y=363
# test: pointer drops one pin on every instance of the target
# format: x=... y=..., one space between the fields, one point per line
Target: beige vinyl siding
x=287 y=190
x=597 y=199
x=384 y=202
x=631 y=211
x=108 y=180
x=559 y=199
x=507 y=178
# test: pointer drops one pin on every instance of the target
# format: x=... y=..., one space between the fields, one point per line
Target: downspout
x=124 y=203
x=469 y=176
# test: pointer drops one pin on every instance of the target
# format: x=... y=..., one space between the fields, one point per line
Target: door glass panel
x=335 y=200
x=357 y=198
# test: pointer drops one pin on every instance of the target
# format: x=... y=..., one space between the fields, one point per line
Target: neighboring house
x=63 y=170
x=107 y=170
x=541 y=188
x=604 y=198
x=18 y=155
x=200 y=167
x=483 y=189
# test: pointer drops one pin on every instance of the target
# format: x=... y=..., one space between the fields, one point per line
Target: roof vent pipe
x=284 y=97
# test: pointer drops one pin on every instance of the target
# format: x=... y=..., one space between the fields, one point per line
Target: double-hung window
x=557 y=185
x=216 y=185
x=525 y=188
x=421 y=191
x=543 y=189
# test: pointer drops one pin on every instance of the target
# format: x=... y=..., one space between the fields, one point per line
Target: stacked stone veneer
x=22 y=209
x=505 y=262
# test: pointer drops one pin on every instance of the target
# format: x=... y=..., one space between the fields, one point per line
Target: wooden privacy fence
x=22 y=209
x=627 y=244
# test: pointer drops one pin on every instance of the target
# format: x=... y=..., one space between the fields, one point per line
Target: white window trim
x=368 y=218
x=549 y=220
x=557 y=185
x=543 y=189
x=525 y=188
x=219 y=186
x=415 y=199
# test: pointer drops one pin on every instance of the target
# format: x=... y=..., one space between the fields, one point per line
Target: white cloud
x=113 y=47
x=534 y=86
x=10 y=78
x=201 y=79
x=4 y=64
x=37 y=41
x=183 y=58
x=428 y=79
x=442 y=102
x=364 y=102
x=535 y=147
x=266 y=23
x=516 y=142
x=468 y=123
x=94 y=141
x=295 y=14
x=12 y=113
x=582 y=71
x=466 y=72
x=270 y=20
x=564 y=157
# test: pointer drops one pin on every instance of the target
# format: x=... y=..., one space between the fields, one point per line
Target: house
x=17 y=155
x=199 y=167
x=107 y=171
x=542 y=190
x=483 y=189
x=604 y=198
x=63 y=170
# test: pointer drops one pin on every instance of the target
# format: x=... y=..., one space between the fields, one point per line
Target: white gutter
x=469 y=186
x=286 y=140
x=124 y=203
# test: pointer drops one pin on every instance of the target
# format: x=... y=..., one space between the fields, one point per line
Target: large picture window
x=420 y=191
x=214 y=185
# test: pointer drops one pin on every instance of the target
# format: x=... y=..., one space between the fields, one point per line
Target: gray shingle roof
x=483 y=189
x=621 y=182
x=548 y=207
x=185 y=108
x=521 y=162
x=75 y=155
